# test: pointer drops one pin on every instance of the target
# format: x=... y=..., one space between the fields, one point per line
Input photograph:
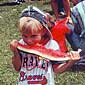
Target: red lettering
x=22 y=76
x=29 y=78
x=42 y=82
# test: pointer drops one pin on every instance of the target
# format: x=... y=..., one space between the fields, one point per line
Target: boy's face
x=31 y=38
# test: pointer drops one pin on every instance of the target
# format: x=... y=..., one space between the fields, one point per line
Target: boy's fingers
x=75 y=55
x=13 y=45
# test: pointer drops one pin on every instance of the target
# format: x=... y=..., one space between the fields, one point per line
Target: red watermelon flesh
x=44 y=52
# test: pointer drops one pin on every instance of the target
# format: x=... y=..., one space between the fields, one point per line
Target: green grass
x=9 y=16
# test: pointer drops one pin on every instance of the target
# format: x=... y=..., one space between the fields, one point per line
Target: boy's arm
x=16 y=61
x=63 y=67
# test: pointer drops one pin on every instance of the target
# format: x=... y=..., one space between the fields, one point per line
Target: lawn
x=9 y=16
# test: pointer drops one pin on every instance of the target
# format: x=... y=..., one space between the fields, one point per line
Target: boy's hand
x=74 y=55
x=13 y=45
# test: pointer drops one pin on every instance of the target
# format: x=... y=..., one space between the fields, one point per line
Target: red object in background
x=59 y=32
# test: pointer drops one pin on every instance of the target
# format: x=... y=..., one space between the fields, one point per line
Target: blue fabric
x=76 y=42
x=78 y=16
x=73 y=38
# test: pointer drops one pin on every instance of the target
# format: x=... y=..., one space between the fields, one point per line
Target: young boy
x=32 y=69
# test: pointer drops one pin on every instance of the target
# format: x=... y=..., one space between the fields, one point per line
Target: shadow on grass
x=9 y=3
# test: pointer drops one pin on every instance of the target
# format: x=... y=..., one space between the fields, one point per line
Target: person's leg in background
x=60 y=7
x=54 y=6
x=66 y=5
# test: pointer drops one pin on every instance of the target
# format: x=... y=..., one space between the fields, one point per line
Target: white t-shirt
x=36 y=71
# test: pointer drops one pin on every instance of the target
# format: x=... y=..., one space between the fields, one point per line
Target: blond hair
x=30 y=25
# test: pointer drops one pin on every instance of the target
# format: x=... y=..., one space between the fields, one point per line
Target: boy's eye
x=30 y=36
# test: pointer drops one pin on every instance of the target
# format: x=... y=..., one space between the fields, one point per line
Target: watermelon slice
x=43 y=52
